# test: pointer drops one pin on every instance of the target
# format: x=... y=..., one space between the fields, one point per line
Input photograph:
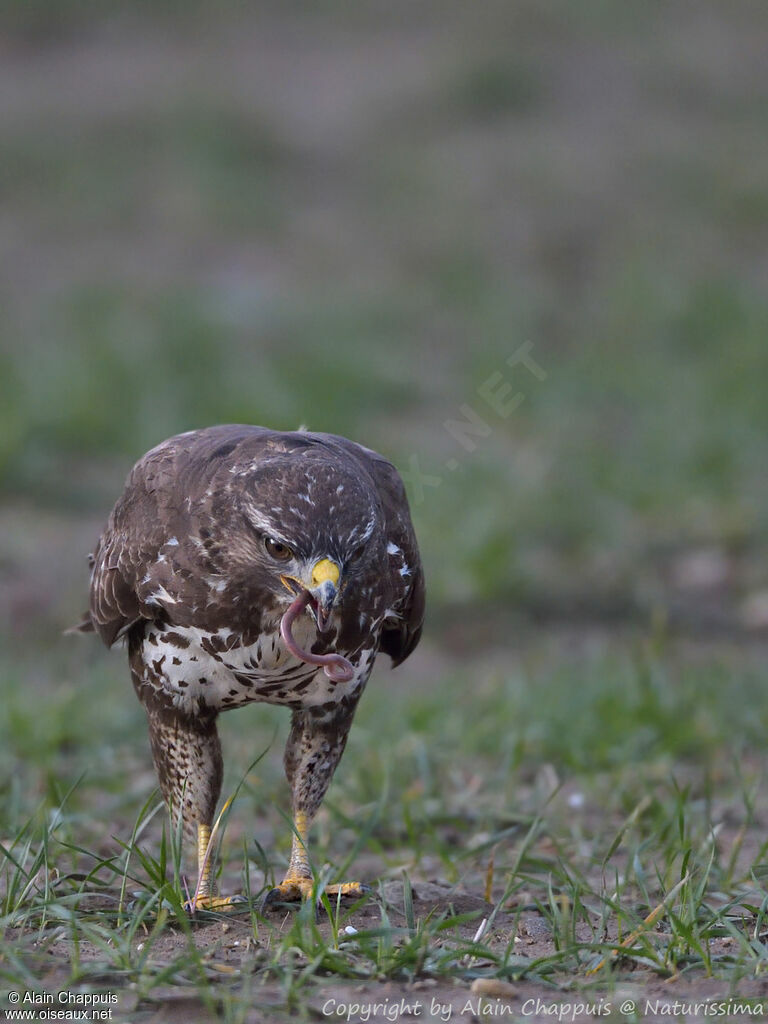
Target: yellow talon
x=213 y=903
x=356 y=889
x=298 y=883
x=291 y=890
x=294 y=889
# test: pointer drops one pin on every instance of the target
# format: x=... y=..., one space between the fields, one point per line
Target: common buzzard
x=244 y=564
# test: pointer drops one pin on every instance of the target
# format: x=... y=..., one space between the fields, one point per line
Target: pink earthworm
x=335 y=666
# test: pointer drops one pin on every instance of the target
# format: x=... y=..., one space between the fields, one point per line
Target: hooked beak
x=324 y=597
x=325 y=580
x=323 y=590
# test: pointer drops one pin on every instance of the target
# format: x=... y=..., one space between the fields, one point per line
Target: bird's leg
x=206 y=883
x=187 y=756
x=314 y=747
x=298 y=880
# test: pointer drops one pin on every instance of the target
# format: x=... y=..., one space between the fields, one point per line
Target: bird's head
x=311 y=525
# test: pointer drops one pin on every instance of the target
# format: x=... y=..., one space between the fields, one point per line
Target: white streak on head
x=260 y=522
x=393 y=549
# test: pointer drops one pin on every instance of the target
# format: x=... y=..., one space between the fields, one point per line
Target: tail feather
x=85 y=625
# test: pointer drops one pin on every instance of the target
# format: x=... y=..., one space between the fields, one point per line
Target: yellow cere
x=324 y=570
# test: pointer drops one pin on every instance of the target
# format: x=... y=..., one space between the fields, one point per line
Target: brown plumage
x=216 y=534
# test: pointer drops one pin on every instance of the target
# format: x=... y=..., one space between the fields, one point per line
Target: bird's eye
x=279 y=551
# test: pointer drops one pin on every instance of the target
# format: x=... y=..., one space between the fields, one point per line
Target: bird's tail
x=85 y=625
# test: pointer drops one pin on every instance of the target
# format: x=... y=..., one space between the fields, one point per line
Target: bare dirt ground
x=231 y=949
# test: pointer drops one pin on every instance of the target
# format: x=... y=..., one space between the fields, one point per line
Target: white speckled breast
x=189 y=664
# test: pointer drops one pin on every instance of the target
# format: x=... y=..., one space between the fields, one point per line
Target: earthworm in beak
x=335 y=666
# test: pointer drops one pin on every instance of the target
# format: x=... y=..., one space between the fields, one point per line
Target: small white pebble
x=349 y=930
x=140 y=947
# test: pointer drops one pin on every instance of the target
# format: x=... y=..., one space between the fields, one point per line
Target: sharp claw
x=270 y=900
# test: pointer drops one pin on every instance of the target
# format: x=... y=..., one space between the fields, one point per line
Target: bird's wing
x=129 y=545
x=141 y=565
x=402 y=633
x=402 y=628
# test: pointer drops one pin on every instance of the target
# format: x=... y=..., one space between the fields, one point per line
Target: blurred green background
x=354 y=216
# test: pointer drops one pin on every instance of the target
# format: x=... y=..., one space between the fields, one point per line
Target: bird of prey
x=245 y=564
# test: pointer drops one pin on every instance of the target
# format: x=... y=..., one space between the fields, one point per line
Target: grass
x=570 y=797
